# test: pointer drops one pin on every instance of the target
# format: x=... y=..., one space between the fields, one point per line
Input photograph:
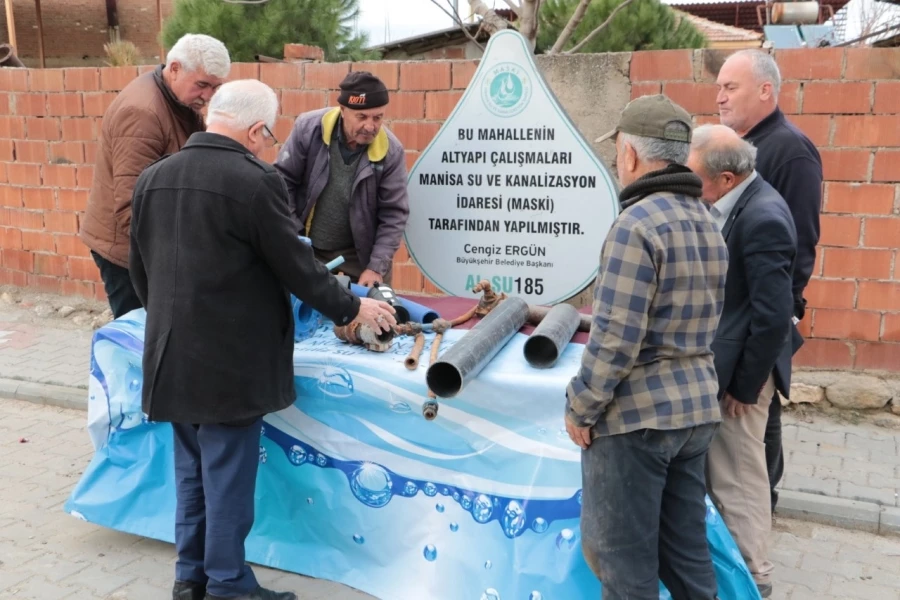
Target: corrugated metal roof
x=717 y=32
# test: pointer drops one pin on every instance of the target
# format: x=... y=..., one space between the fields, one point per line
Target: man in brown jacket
x=153 y=116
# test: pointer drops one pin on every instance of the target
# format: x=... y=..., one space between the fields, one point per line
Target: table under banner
x=355 y=486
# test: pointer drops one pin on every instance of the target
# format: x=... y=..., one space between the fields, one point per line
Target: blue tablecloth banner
x=355 y=486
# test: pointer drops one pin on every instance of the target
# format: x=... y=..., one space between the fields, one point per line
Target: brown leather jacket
x=145 y=122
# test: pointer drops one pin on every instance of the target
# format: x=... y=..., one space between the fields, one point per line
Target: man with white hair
x=214 y=253
x=153 y=116
x=749 y=83
x=643 y=406
x=753 y=341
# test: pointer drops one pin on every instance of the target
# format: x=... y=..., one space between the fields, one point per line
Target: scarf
x=677 y=179
x=190 y=121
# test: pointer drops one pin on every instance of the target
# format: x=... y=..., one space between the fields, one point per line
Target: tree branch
x=512 y=5
x=492 y=21
x=570 y=27
x=462 y=26
x=600 y=28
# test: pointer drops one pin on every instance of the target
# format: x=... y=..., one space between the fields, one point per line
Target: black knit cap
x=360 y=90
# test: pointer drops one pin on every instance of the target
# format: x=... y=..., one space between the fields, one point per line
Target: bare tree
x=527 y=13
x=874 y=16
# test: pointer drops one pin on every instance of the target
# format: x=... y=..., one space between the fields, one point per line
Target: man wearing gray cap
x=346 y=179
x=643 y=405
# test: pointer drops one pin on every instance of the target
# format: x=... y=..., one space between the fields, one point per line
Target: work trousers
x=739 y=483
x=117 y=282
x=643 y=515
x=215 y=481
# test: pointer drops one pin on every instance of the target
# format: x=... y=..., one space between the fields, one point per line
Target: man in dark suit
x=753 y=344
x=214 y=253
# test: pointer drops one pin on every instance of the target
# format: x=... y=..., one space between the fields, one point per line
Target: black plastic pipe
x=551 y=337
x=462 y=363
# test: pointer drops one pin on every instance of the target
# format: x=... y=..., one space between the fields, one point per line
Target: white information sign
x=509 y=190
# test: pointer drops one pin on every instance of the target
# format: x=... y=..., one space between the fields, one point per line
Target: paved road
x=48 y=555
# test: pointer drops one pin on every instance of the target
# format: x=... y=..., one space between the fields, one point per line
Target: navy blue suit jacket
x=756 y=336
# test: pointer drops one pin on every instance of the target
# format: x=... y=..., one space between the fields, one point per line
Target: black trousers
x=774 y=449
x=117 y=283
x=215 y=482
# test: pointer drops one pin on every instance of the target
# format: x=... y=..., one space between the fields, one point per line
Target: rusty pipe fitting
x=362 y=335
x=412 y=361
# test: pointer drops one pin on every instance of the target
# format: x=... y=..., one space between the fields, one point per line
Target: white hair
x=764 y=67
x=196 y=52
x=728 y=153
x=650 y=149
x=243 y=103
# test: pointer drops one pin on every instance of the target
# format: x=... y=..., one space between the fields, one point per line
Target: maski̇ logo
x=506 y=90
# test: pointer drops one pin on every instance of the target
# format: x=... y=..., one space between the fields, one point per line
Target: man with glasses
x=346 y=179
x=213 y=255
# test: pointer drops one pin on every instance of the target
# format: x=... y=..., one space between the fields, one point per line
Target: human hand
x=580 y=436
x=734 y=408
x=369 y=278
x=378 y=315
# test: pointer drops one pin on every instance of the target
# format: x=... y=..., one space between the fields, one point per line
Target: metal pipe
x=8 y=57
x=473 y=351
x=40 y=33
x=550 y=338
x=11 y=25
x=536 y=314
x=412 y=361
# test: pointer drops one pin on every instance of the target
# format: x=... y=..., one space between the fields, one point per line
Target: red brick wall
x=846 y=100
x=77 y=29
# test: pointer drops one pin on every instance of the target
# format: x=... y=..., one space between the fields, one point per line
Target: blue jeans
x=643 y=516
x=215 y=483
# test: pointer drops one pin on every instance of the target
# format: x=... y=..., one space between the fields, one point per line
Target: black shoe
x=188 y=590
x=765 y=589
x=259 y=593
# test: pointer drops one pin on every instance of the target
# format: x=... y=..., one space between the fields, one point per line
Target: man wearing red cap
x=346 y=178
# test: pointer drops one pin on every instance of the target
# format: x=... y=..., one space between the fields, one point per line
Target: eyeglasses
x=270 y=137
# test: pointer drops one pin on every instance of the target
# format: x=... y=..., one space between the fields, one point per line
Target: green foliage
x=642 y=25
x=251 y=29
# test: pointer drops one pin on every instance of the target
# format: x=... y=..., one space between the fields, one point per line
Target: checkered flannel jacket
x=657 y=301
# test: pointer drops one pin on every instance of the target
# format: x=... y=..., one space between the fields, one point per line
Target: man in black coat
x=753 y=344
x=749 y=82
x=213 y=255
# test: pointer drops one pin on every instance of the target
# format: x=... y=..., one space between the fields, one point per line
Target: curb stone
x=838 y=512
x=44 y=393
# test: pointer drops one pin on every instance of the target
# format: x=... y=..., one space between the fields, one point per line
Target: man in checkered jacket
x=643 y=407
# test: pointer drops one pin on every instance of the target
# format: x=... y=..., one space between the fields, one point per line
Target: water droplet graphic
x=535 y=595
x=135 y=385
x=400 y=407
x=429 y=489
x=262 y=431
x=578 y=497
x=540 y=525
x=565 y=540
x=310 y=501
x=359 y=539
x=439 y=508
x=410 y=489
x=456 y=496
x=371 y=485
x=321 y=460
x=445 y=492
x=466 y=502
x=542 y=431
x=562 y=433
x=513 y=519
x=482 y=509
x=454 y=527
x=711 y=515
x=488 y=564
x=263 y=455
x=430 y=552
x=335 y=382
x=490 y=594
x=297 y=455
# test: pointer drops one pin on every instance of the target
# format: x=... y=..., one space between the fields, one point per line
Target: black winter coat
x=213 y=256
